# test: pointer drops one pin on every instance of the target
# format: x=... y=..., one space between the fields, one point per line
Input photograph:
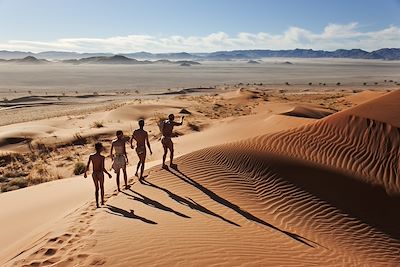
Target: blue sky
x=169 y=25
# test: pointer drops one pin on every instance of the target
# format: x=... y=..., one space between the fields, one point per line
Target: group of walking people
x=120 y=159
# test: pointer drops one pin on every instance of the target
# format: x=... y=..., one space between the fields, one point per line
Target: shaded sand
x=325 y=193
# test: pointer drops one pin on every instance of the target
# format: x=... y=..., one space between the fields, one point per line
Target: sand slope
x=315 y=195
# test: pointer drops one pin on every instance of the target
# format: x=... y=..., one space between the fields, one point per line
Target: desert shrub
x=364 y=83
x=79 y=168
x=338 y=83
x=42 y=148
x=98 y=124
x=39 y=174
x=79 y=139
x=194 y=127
x=14 y=184
x=310 y=83
x=14 y=173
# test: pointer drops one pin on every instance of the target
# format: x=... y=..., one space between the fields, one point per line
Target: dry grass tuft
x=97 y=124
x=79 y=168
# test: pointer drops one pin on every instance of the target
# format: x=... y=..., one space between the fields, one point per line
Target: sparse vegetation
x=39 y=174
x=79 y=140
x=14 y=184
x=194 y=127
x=79 y=168
x=97 y=124
x=338 y=83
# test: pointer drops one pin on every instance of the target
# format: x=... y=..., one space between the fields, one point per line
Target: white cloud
x=332 y=37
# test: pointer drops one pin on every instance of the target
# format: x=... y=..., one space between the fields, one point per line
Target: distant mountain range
x=25 y=60
x=383 y=54
x=116 y=59
x=120 y=59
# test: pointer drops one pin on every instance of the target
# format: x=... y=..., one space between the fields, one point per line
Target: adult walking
x=167 y=128
x=142 y=139
x=120 y=159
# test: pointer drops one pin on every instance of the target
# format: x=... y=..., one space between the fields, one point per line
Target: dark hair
x=119 y=132
x=98 y=146
x=171 y=115
x=141 y=122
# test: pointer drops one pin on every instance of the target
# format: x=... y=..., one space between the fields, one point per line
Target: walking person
x=142 y=139
x=167 y=128
x=97 y=161
x=120 y=159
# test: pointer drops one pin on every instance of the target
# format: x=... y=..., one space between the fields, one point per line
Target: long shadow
x=123 y=213
x=236 y=208
x=152 y=203
x=188 y=202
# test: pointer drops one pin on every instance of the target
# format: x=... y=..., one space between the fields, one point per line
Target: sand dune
x=308 y=112
x=317 y=193
x=364 y=96
x=135 y=112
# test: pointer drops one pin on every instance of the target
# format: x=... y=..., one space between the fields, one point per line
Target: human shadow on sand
x=188 y=202
x=123 y=213
x=236 y=208
x=153 y=203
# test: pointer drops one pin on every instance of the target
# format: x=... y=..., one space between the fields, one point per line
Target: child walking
x=98 y=172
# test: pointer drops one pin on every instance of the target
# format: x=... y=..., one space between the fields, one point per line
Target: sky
x=122 y=26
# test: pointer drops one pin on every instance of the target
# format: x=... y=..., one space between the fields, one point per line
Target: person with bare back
x=120 y=159
x=142 y=139
x=97 y=161
x=167 y=128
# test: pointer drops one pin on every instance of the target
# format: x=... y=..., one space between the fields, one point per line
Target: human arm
x=104 y=169
x=180 y=123
x=87 y=166
x=132 y=138
x=148 y=143
x=126 y=155
x=111 y=151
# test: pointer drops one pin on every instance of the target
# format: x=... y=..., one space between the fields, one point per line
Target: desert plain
x=288 y=162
